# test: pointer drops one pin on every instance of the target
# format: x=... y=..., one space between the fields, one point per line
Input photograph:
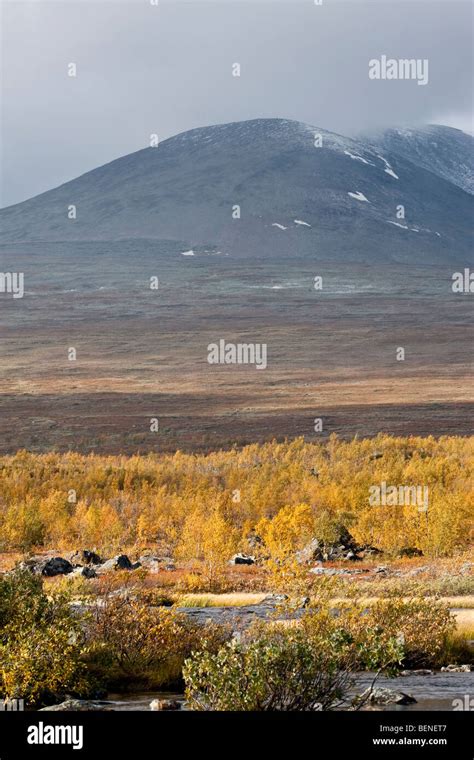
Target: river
x=432 y=692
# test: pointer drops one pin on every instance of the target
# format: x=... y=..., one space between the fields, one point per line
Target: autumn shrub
x=287 y=531
x=274 y=667
x=311 y=663
x=130 y=641
x=201 y=509
x=422 y=627
x=40 y=643
x=209 y=539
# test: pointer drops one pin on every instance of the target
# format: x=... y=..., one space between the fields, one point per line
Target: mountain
x=334 y=202
x=444 y=151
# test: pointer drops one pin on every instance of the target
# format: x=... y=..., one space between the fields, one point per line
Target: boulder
x=86 y=557
x=56 y=566
x=417 y=570
x=242 y=559
x=155 y=564
x=33 y=564
x=312 y=552
x=73 y=705
x=410 y=551
x=165 y=704
x=456 y=668
x=419 y=672
x=120 y=562
x=379 y=696
x=88 y=572
x=344 y=548
x=273 y=600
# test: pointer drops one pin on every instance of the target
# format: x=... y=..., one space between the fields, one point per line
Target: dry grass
x=465 y=622
x=465 y=603
x=220 y=600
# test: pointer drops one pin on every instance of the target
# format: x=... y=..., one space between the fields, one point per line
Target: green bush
x=40 y=643
x=422 y=626
x=131 y=642
x=307 y=666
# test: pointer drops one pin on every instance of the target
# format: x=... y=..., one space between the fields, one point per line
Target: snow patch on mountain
x=388 y=169
x=359 y=196
x=358 y=158
x=397 y=224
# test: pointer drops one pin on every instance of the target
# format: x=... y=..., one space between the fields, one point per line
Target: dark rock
x=88 y=572
x=347 y=540
x=86 y=557
x=345 y=547
x=120 y=562
x=85 y=572
x=56 y=566
x=410 y=551
x=242 y=559
x=136 y=565
x=419 y=672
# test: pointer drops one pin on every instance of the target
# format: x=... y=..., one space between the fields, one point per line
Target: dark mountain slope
x=442 y=150
x=185 y=189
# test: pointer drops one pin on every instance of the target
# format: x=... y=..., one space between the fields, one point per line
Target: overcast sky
x=143 y=69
